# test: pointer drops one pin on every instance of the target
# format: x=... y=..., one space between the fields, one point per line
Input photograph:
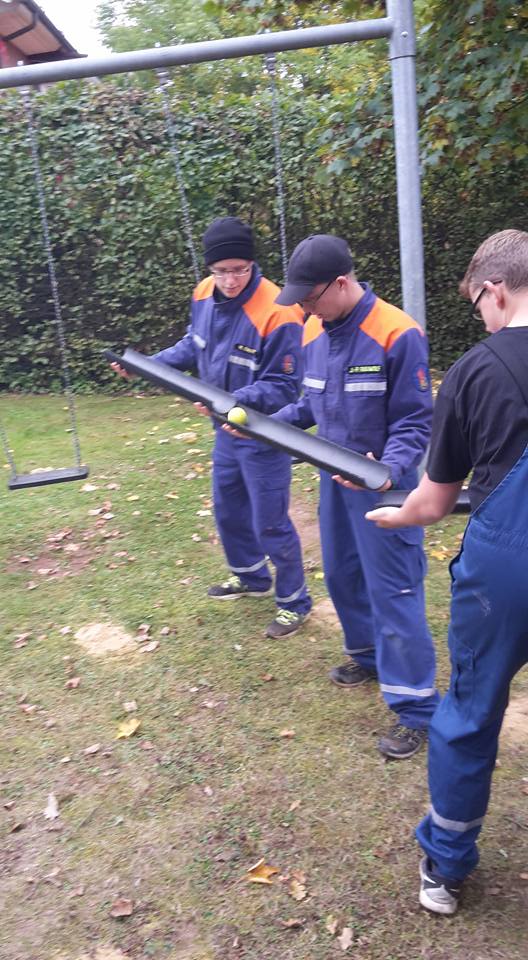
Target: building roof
x=25 y=26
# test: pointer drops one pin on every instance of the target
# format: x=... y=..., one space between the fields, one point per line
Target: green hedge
x=123 y=267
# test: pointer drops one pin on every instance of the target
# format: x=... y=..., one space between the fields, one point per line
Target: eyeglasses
x=311 y=301
x=235 y=272
x=474 y=313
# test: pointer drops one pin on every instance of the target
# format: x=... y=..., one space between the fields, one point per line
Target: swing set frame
x=397 y=27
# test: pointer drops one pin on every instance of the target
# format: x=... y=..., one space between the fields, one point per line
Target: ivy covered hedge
x=115 y=217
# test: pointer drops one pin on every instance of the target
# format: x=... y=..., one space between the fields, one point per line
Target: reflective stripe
x=293 y=596
x=313 y=382
x=358 y=650
x=244 y=362
x=199 y=340
x=256 y=566
x=376 y=386
x=407 y=691
x=460 y=826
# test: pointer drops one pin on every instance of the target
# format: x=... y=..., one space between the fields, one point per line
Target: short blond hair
x=503 y=256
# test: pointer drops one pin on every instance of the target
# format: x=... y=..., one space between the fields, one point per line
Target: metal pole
x=402 y=57
x=201 y=52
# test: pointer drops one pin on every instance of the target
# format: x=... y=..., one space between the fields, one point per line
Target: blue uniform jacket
x=249 y=345
x=367 y=385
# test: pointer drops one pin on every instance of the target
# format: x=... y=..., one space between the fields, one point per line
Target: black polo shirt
x=480 y=420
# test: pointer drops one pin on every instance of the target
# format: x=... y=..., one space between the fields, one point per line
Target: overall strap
x=513 y=362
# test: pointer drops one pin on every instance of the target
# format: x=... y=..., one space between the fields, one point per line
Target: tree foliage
x=114 y=205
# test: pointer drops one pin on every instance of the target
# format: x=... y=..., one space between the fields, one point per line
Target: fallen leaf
x=122 y=908
x=346 y=939
x=293 y=924
x=133 y=497
x=72 y=683
x=149 y=647
x=319 y=575
x=77 y=892
x=293 y=806
x=94 y=748
x=261 y=873
x=267 y=677
x=297 y=890
x=52 y=808
x=438 y=554
x=129 y=706
x=331 y=925
x=287 y=734
x=127 y=728
x=88 y=487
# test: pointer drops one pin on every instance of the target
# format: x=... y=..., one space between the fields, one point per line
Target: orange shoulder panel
x=265 y=314
x=385 y=324
x=204 y=289
x=313 y=328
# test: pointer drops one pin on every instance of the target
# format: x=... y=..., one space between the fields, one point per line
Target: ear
x=498 y=291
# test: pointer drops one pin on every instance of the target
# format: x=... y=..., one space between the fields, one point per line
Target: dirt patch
x=324 y=615
x=515 y=726
x=307 y=526
x=102 y=953
x=66 y=553
x=100 y=639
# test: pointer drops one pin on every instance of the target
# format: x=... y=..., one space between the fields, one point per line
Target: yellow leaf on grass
x=319 y=575
x=127 y=728
x=438 y=554
x=261 y=873
x=297 y=889
x=331 y=925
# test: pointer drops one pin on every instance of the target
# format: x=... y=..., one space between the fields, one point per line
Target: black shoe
x=233 y=588
x=286 y=621
x=436 y=892
x=351 y=675
x=401 y=742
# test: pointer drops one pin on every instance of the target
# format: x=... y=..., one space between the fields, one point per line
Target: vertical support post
x=402 y=54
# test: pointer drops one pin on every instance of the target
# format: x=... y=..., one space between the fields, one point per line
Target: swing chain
x=164 y=80
x=271 y=67
x=26 y=96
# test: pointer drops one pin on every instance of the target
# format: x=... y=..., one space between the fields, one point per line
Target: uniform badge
x=420 y=377
x=288 y=363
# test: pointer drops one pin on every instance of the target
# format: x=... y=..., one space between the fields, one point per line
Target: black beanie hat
x=226 y=239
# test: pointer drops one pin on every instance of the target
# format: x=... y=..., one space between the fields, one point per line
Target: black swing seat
x=41 y=478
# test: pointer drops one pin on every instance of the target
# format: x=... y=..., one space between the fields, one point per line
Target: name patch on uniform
x=420 y=377
x=288 y=363
x=365 y=368
x=244 y=349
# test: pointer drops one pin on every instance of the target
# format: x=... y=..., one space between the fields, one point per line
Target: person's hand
x=354 y=486
x=121 y=371
x=234 y=433
x=387 y=517
x=205 y=411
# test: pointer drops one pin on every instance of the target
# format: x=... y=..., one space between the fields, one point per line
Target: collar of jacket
x=234 y=303
x=337 y=328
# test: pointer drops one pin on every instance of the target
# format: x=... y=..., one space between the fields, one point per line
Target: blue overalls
x=488 y=643
x=250 y=346
x=367 y=387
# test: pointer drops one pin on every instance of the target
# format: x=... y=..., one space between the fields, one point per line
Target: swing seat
x=41 y=478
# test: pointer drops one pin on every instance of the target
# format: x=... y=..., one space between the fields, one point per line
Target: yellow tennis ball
x=237 y=415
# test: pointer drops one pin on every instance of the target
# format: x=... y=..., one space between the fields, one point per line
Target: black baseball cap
x=317 y=259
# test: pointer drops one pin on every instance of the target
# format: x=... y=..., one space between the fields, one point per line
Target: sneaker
x=351 y=675
x=233 y=588
x=437 y=893
x=286 y=621
x=401 y=742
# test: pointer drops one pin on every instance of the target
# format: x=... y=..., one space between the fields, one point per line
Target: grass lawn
x=244 y=749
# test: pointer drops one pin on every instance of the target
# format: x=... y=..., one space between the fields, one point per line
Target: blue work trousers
x=375 y=580
x=251 y=491
x=488 y=644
